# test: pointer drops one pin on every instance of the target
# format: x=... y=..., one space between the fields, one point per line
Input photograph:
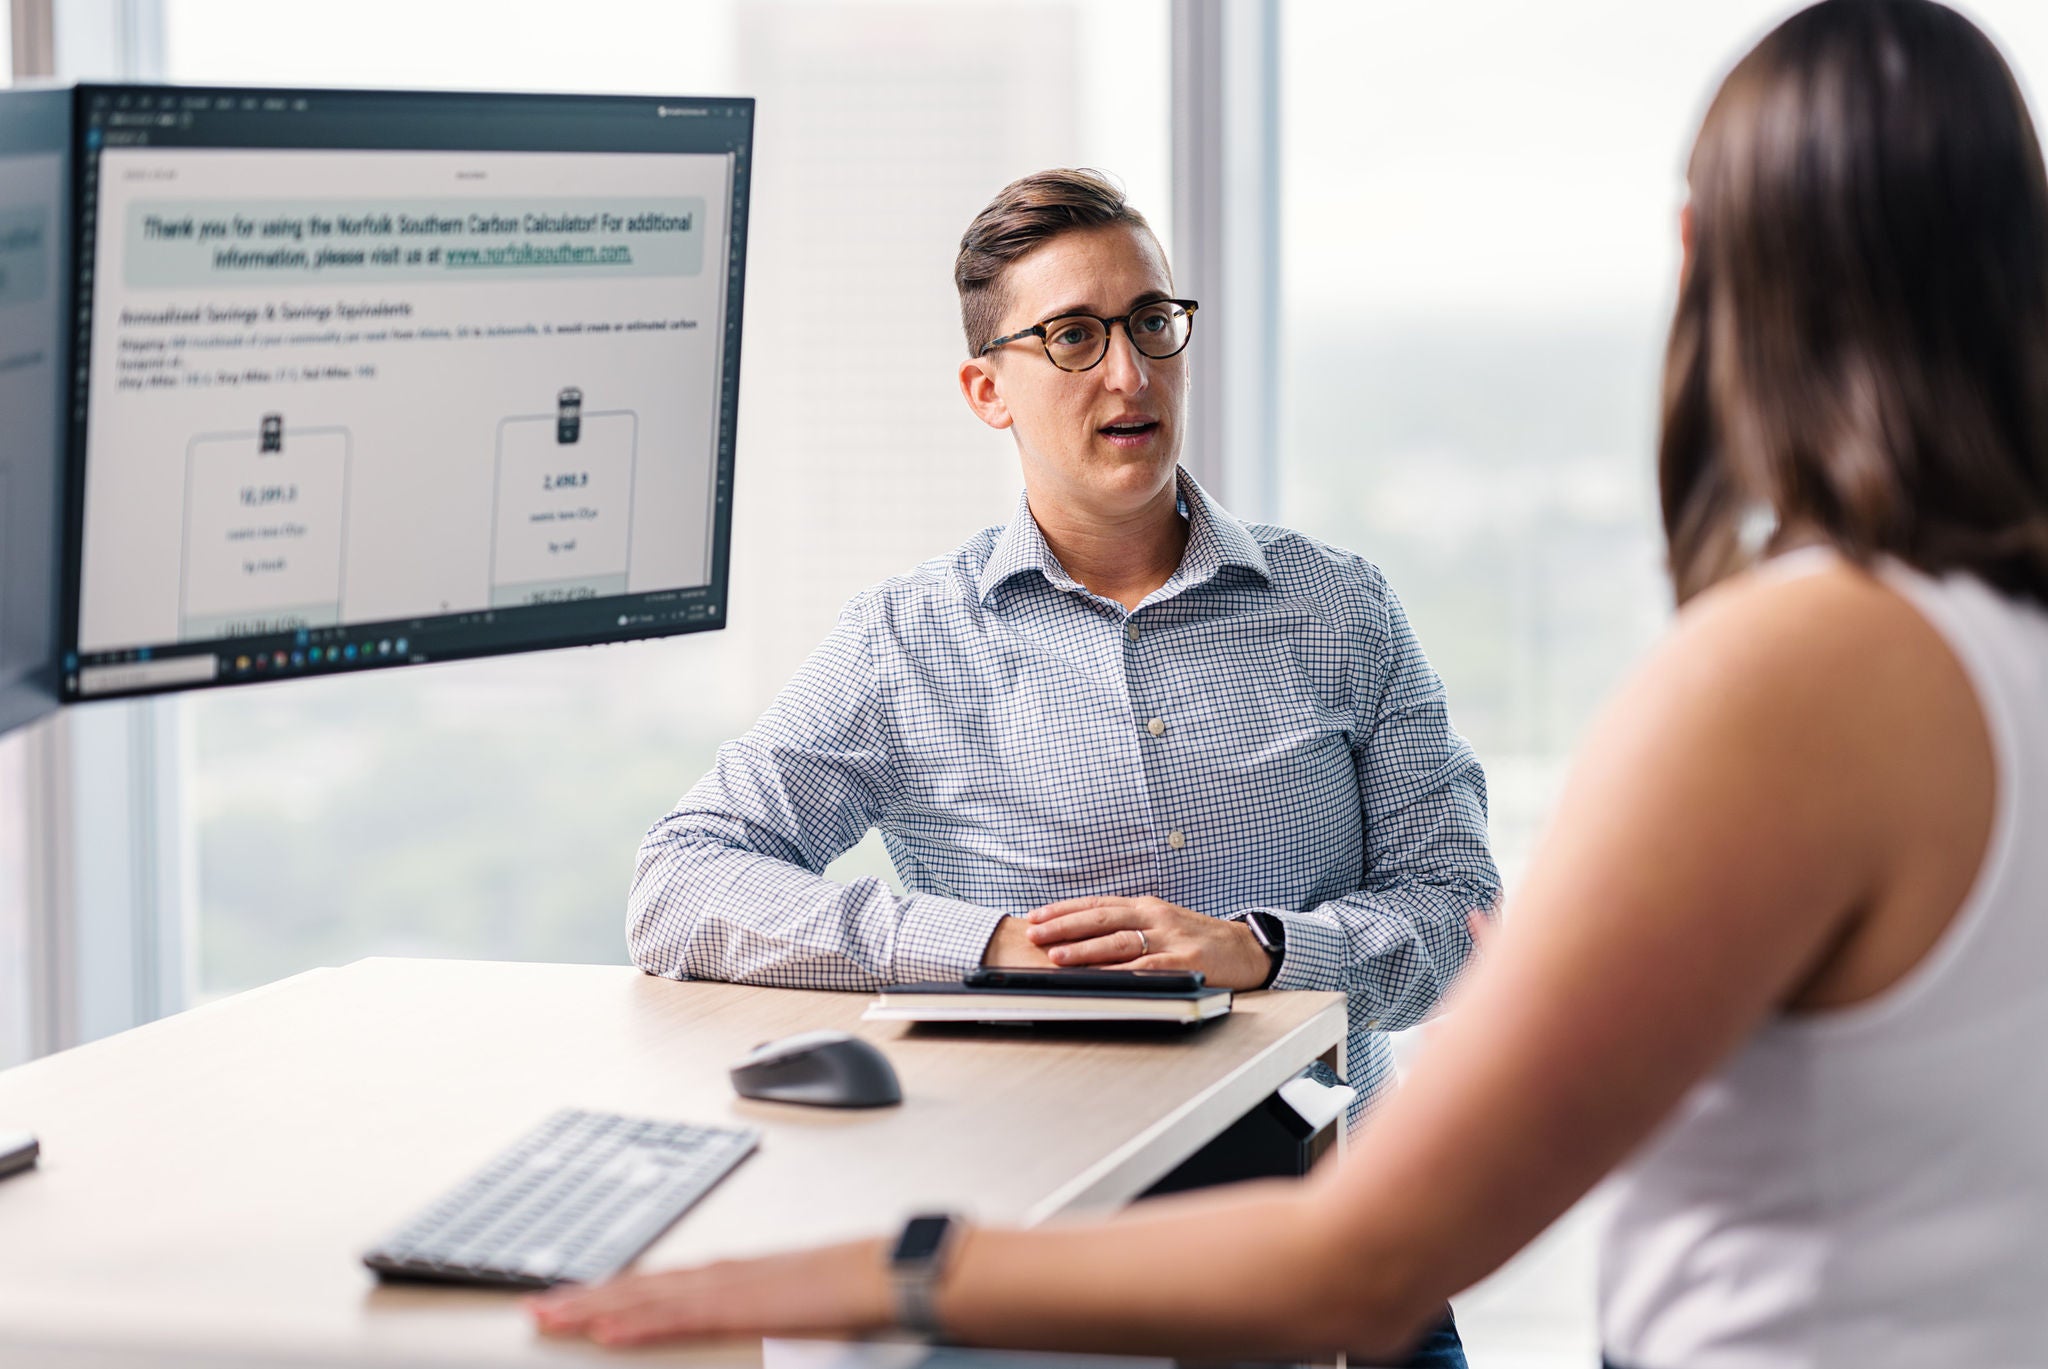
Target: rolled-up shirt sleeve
x=729 y=885
x=1395 y=943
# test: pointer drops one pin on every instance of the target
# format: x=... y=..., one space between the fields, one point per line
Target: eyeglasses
x=1079 y=342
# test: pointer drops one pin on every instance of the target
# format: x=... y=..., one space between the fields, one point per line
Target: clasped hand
x=1147 y=934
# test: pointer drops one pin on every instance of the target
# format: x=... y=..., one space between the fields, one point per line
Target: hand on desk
x=1103 y=933
x=842 y=1290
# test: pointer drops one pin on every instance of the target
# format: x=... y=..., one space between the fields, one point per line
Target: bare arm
x=1741 y=823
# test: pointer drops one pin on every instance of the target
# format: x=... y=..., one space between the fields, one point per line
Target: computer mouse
x=830 y=1069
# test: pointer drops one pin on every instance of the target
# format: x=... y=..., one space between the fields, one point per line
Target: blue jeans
x=1440 y=1349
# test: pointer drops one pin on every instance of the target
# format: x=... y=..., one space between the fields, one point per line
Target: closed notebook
x=958 y=1003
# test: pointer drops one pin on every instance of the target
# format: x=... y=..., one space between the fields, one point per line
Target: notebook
x=958 y=1003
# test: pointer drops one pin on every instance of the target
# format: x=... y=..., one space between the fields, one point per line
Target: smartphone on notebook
x=1087 y=981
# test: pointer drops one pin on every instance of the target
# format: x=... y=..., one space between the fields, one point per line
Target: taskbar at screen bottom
x=303 y=652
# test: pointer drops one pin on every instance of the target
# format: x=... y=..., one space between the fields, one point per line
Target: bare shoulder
x=1807 y=615
x=1826 y=723
x=1815 y=709
x=1802 y=765
x=1833 y=651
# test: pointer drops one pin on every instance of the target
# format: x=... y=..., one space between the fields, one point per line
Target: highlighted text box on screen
x=175 y=243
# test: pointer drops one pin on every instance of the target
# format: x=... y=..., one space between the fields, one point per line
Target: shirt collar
x=1215 y=540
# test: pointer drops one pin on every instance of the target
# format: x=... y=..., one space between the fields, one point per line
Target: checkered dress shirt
x=1262 y=732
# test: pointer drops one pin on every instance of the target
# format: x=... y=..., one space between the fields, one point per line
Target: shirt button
x=1176 y=840
x=1131 y=631
x=1372 y=1024
x=1157 y=727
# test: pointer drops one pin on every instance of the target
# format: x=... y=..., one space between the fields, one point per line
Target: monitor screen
x=34 y=198
x=374 y=378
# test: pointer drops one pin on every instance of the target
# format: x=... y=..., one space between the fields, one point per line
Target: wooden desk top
x=209 y=1182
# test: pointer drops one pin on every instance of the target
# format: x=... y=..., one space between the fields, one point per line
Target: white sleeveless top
x=1868 y=1187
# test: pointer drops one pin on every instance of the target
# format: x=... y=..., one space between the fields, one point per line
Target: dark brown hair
x=1860 y=350
x=1025 y=215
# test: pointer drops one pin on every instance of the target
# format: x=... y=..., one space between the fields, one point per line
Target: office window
x=492 y=809
x=1480 y=217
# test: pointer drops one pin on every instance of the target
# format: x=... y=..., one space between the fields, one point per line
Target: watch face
x=921 y=1239
x=1269 y=930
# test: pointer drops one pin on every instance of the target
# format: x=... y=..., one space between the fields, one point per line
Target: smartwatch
x=915 y=1265
x=1271 y=934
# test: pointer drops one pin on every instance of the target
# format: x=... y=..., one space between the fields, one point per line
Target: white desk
x=209 y=1182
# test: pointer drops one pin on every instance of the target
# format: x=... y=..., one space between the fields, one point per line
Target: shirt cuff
x=940 y=938
x=1314 y=958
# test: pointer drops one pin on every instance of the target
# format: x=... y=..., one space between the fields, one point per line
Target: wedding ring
x=1144 y=946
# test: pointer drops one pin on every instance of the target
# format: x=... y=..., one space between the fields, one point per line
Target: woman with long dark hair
x=1783 y=958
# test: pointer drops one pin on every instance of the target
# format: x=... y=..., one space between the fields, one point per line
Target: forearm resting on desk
x=1055 y=1288
x=1073 y=1288
x=707 y=904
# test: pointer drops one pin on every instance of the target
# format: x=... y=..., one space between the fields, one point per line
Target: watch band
x=916 y=1263
x=1271 y=934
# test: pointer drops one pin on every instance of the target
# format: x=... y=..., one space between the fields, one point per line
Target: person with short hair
x=1781 y=958
x=1126 y=730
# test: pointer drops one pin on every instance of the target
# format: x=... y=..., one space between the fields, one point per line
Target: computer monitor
x=373 y=378
x=34 y=261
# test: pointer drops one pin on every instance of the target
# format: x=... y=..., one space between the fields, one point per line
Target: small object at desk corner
x=18 y=1151
x=1318 y=1104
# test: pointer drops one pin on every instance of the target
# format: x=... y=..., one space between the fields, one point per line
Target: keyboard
x=573 y=1201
